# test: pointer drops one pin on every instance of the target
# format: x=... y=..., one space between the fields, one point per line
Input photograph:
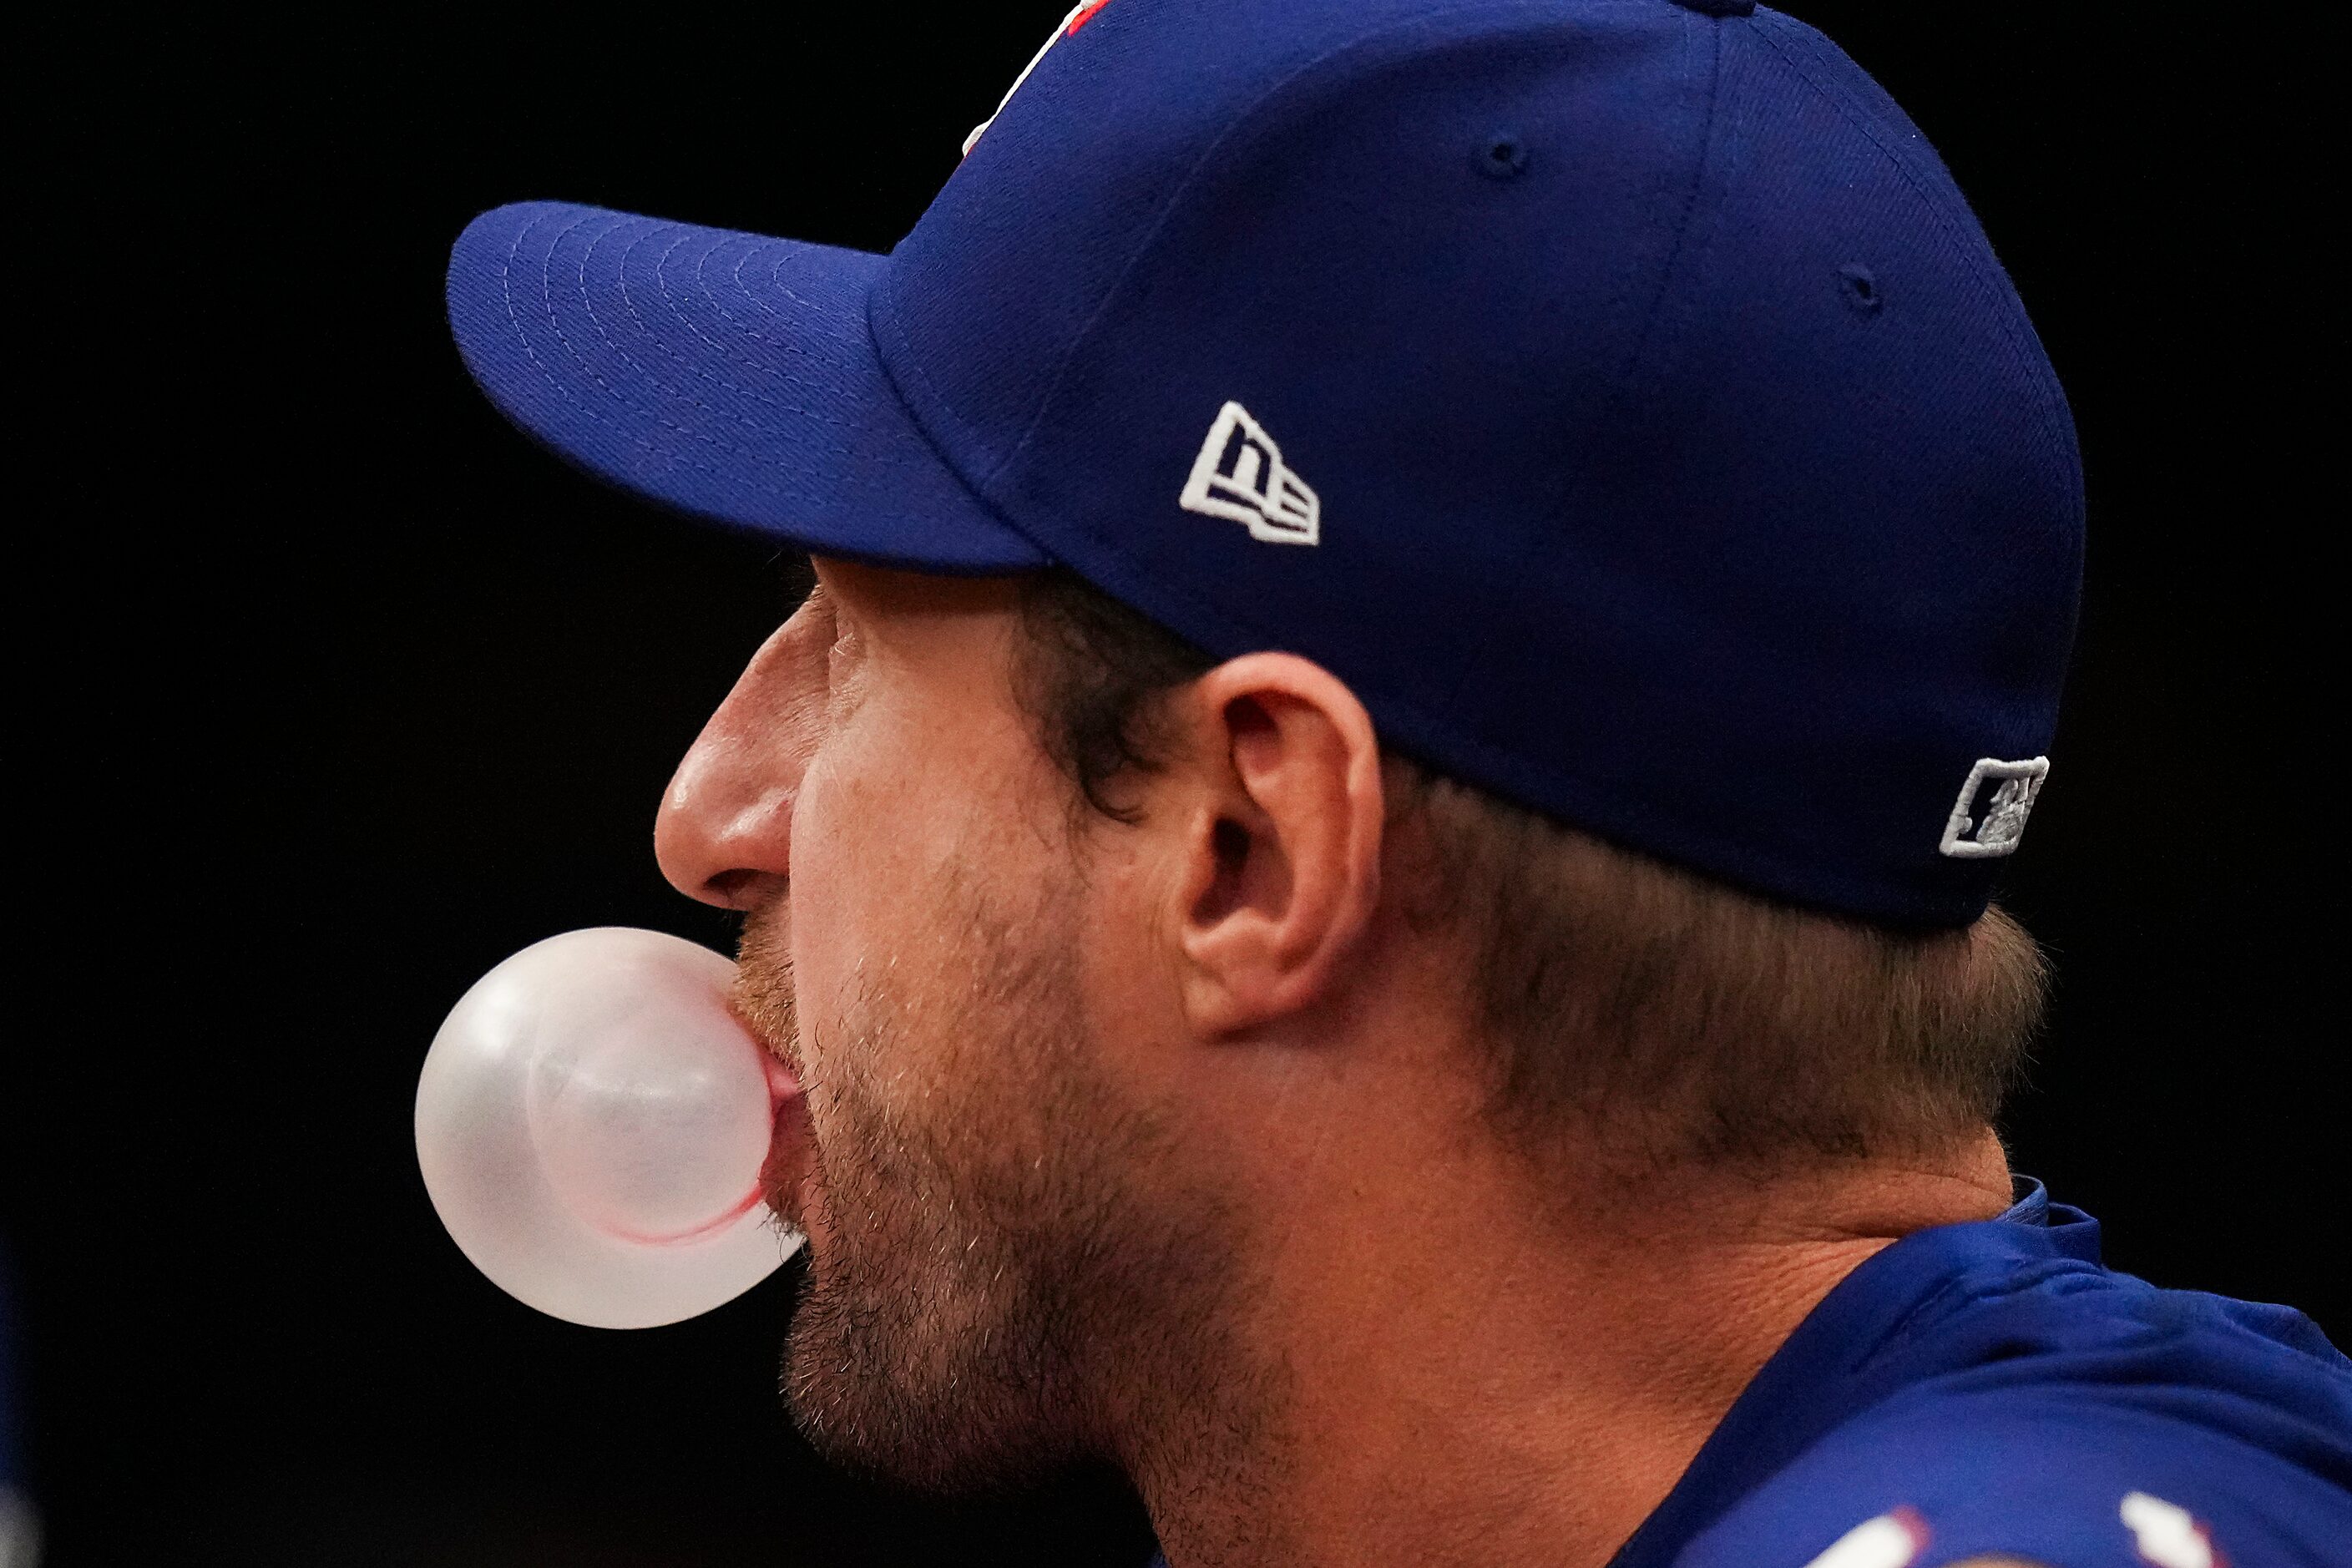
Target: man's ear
x=1279 y=831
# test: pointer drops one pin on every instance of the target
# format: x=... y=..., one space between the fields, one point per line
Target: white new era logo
x=1969 y=836
x=1239 y=476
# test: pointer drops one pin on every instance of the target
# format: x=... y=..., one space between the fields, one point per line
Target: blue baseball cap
x=1617 y=395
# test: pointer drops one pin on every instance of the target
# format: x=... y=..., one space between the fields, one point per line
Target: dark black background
x=331 y=691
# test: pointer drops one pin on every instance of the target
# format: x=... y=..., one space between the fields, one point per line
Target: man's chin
x=876 y=1409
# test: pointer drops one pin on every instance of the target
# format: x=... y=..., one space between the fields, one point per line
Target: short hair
x=1660 y=1015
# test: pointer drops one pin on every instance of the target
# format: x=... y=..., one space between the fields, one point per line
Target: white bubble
x=591 y=1122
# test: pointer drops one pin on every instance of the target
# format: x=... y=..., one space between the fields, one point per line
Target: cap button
x=1718 y=7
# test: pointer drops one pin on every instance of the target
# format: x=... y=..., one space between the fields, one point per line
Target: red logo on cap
x=1080 y=14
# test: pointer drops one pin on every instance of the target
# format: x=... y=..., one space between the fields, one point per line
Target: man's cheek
x=831 y=896
x=872 y=835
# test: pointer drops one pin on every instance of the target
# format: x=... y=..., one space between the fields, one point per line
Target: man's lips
x=790 y=1145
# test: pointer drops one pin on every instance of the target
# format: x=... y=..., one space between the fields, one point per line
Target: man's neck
x=1460 y=1382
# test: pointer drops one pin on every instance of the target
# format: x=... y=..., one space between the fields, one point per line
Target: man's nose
x=725 y=831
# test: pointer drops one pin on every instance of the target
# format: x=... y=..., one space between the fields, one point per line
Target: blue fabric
x=2002 y=1384
x=1687 y=468
x=2006 y=1390
x=725 y=374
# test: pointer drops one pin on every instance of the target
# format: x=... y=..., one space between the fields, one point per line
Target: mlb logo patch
x=1990 y=816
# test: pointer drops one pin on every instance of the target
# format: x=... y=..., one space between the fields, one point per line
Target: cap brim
x=727 y=375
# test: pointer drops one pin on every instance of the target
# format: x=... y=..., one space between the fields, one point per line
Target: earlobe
x=1283 y=847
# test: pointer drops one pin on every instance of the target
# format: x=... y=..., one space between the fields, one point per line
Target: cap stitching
x=589 y=372
x=564 y=390
x=628 y=298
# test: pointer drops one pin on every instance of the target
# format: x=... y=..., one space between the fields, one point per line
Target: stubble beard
x=1004 y=1279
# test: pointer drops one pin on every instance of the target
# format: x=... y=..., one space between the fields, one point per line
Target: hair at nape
x=1659 y=1016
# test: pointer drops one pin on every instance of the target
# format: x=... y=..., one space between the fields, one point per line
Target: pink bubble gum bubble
x=591 y=1122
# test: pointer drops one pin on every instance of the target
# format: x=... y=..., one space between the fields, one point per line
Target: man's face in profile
x=990 y=1208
